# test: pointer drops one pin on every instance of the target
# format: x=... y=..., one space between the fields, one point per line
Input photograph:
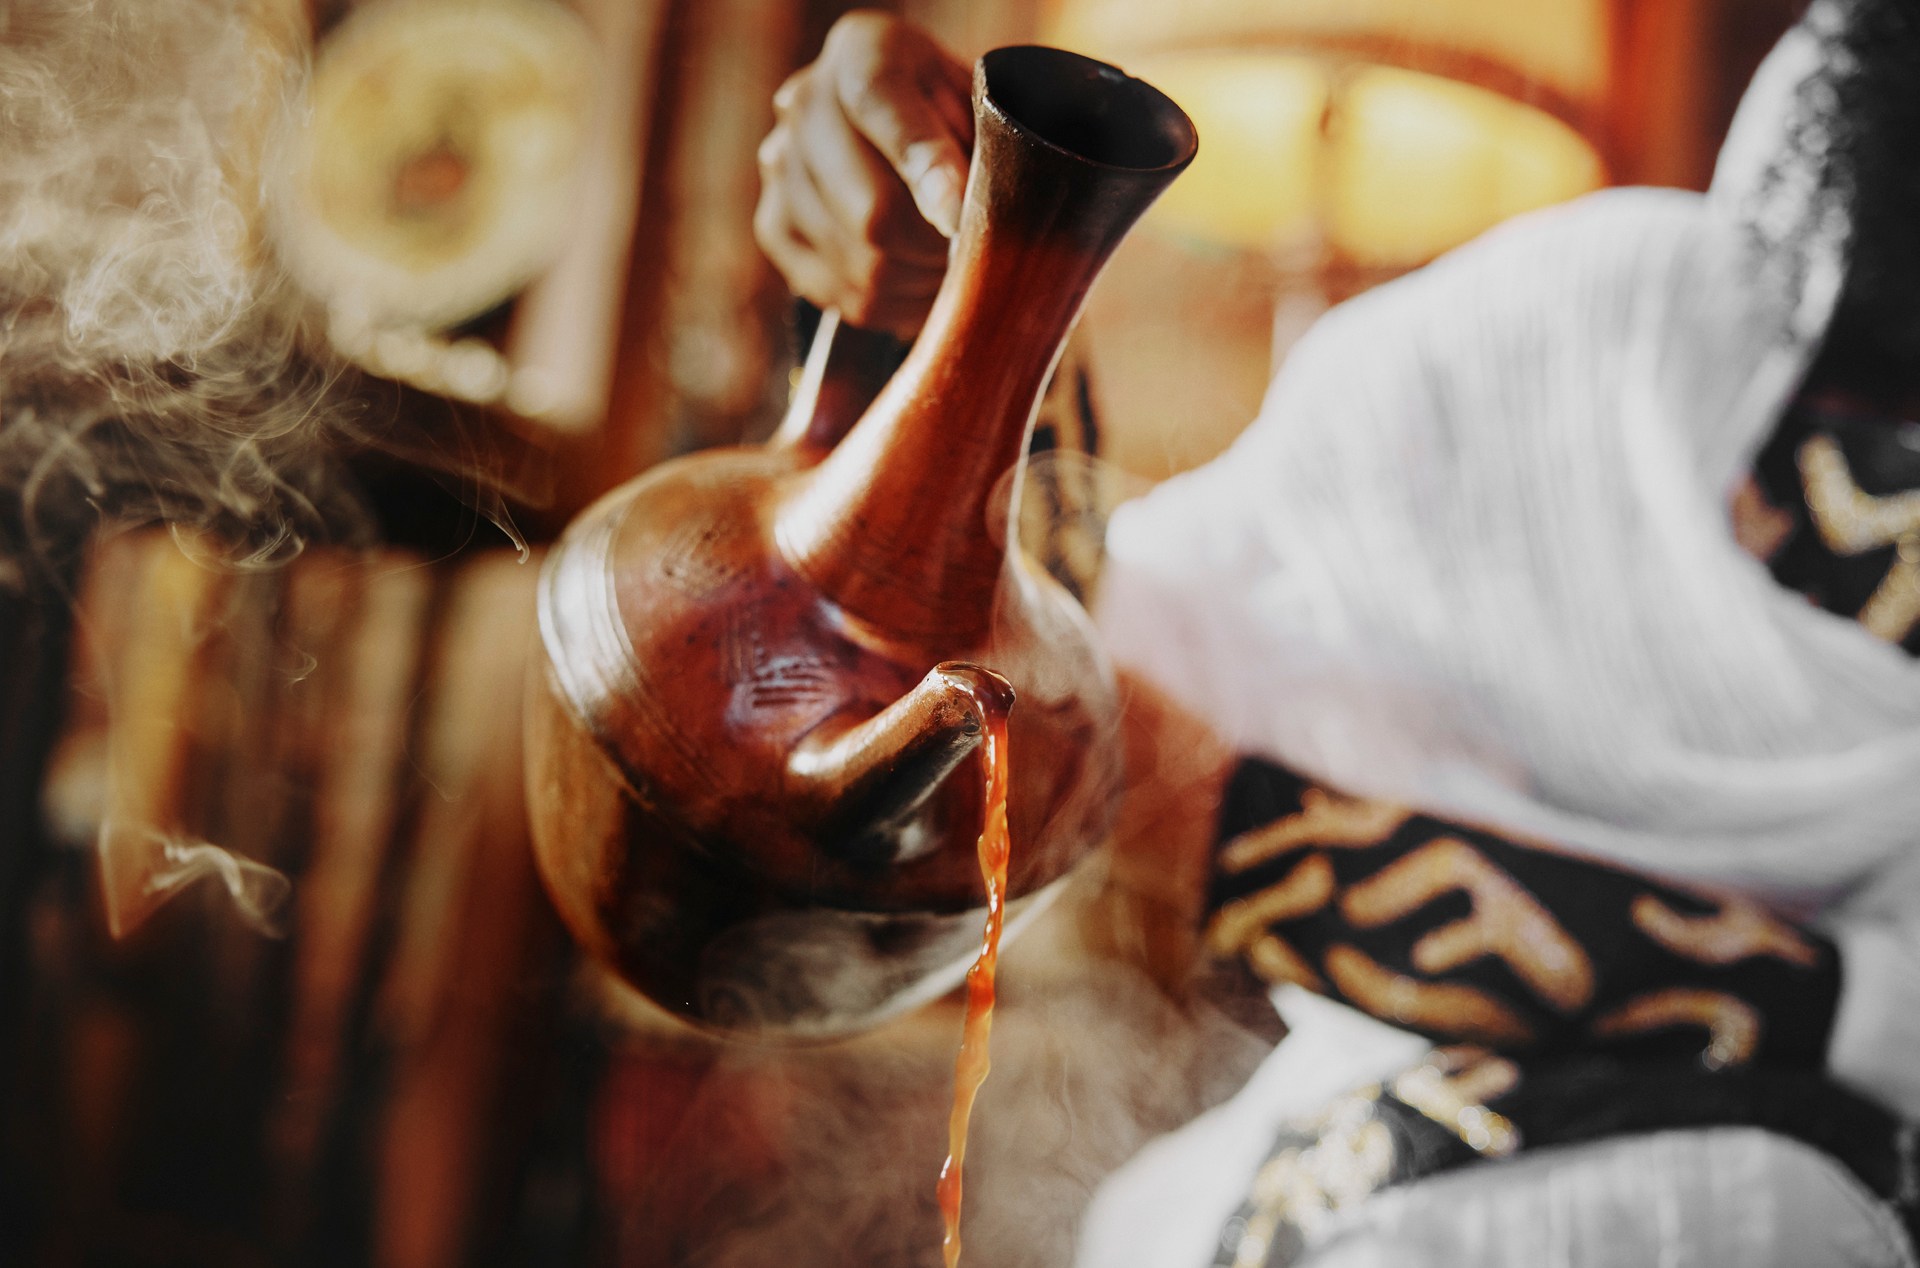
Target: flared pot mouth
x=1087 y=109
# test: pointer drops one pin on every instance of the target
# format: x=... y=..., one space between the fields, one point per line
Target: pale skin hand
x=862 y=175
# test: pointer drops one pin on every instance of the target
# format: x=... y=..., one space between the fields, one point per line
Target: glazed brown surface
x=768 y=672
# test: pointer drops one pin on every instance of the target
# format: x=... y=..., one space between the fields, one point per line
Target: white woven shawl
x=1474 y=555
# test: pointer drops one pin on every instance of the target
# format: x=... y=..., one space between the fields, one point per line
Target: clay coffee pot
x=754 y=736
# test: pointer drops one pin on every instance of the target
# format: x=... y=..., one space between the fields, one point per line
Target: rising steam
x=155 y=363
x=819 y=1157
x=153 y=360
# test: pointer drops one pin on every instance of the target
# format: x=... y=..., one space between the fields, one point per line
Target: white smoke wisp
x=154 y=361
x=163 y=866
x=817 y=1157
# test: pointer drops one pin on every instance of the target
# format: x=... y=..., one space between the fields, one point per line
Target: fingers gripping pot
x=754 y=741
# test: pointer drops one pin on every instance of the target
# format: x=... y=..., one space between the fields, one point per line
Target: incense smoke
x=154 y=361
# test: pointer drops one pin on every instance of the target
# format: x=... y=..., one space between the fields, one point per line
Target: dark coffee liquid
x=970 y=1070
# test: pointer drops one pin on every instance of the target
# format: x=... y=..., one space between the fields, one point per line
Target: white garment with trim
x=1722 y=1198
x=1475 y=556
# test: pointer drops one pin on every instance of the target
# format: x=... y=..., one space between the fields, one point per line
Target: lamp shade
x=1561 y=48
x=1381 y=131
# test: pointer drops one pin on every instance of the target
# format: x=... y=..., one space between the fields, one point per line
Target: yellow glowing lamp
x=1377 y=132
x=1563 y=47
x=1257 y=181
x=1420 y=164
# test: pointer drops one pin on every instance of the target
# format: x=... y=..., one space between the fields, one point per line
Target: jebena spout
x=869 y=783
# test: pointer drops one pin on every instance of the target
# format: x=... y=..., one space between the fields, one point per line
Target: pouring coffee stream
x=754 y=745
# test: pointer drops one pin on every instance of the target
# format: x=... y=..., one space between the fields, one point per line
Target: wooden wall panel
x=350 y=1086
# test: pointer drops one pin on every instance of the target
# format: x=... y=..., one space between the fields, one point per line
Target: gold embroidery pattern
x=1277 y=964
x=1738 y=931
x=1241 y=925
x=1732 y=1025
x=1325 y=819
x=1350 y=1157
x=1852 y=521
x=1504 y=920
x=1435 y=1007
x=1454 y=1099
x=1475 y=1075
x=1507 y=921
x=1894 y=607
x=1344 y=1155
x=1304 y=890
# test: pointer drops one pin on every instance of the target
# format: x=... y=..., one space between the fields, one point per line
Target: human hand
x=863 y=173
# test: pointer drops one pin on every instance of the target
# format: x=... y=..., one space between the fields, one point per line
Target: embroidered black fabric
x=1883 y=456
x=1573 y=1089
x=1589 y=1099
x=1789 y=1005
x=1368 y=1141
